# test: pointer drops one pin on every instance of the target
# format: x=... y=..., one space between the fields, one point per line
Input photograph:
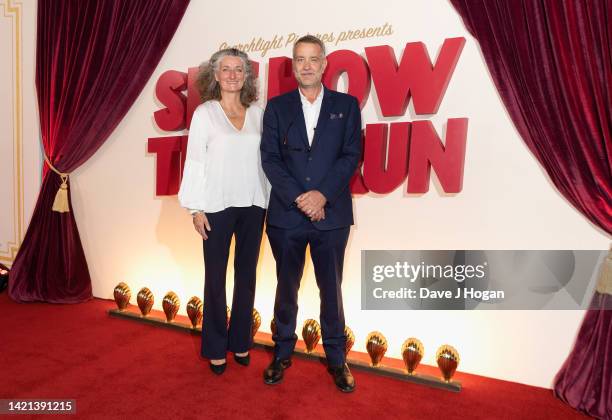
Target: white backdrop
x=131 y=235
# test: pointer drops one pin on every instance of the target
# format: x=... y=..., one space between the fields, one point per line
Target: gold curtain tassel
x=60 y=204
x=604 y=285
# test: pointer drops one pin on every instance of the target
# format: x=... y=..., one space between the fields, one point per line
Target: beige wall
x=131 y=235
x=19 y=131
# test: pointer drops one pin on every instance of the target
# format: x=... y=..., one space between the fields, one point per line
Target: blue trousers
x=247 y=224
x=327 y=251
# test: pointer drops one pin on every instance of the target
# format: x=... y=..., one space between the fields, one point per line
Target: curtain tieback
x=60 y=204
x=605 y=280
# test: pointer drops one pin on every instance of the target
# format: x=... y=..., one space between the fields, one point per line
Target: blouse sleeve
x=191 y=193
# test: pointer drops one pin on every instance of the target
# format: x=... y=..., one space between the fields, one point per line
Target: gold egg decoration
x=194 y=311
x=256 y=322
x=448 y=360
x=145 y=300
x=171 y=304
x=412 y=353
x=122 y=295
x=273 y=326
x=376 y=345
x=350 y=340
x=311 y=333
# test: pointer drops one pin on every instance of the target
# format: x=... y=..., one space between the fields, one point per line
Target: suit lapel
x=326 y=107
x=298 y=118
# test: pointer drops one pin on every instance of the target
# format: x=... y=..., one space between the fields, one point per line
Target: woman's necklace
x=232 y=114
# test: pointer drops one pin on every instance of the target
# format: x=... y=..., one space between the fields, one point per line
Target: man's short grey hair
x=309 y=39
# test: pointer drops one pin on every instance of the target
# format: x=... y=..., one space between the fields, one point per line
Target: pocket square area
x=333 y=116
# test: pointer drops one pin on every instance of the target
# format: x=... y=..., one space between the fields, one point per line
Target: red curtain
x=551 y=61
x=585 y=380
x=93 y=59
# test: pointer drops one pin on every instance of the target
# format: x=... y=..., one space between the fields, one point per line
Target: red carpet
x=115 y=368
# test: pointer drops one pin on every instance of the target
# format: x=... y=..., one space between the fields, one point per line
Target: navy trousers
x=247 y=224
x=327 y=251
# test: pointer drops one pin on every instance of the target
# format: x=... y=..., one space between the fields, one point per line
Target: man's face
x=308 y=64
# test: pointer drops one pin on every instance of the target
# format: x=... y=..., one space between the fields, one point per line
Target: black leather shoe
x=273 y=374
x=242 y=360
x=342 y=377
x=217 y=369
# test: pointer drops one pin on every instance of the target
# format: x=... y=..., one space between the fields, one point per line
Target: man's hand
x=311 y=202
x=318 y=216
x=200 y=222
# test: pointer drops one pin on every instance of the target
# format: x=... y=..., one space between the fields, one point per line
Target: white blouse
x=223 y=164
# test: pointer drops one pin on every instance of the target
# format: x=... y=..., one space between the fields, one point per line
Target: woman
x=226 y=192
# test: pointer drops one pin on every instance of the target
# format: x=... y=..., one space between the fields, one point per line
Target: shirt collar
x=317 y=101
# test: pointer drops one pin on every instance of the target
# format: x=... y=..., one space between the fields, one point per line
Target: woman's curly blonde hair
x=209 y=88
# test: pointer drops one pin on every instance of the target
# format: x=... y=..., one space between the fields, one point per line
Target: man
x=310 y=147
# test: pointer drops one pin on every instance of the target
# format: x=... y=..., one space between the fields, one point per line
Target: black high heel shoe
x=242 y=360
x=217 y=369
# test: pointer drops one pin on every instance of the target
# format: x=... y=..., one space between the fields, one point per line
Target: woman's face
x=230 y=74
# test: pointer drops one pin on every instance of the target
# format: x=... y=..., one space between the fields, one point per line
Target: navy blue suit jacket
x=293 y=167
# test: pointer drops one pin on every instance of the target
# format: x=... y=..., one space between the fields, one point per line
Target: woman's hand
x=200 y=222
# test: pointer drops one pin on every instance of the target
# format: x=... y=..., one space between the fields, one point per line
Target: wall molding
x=8 y=250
